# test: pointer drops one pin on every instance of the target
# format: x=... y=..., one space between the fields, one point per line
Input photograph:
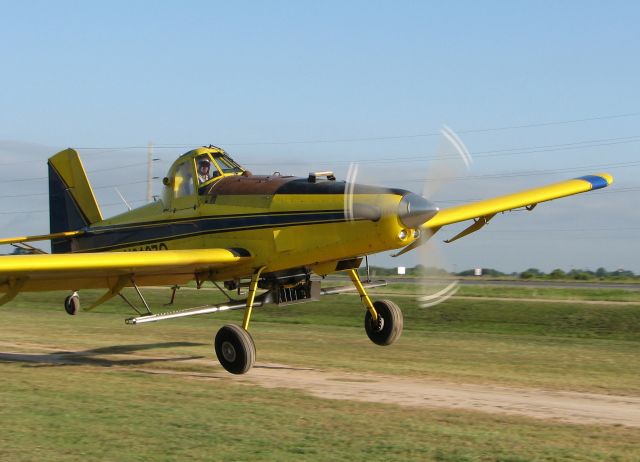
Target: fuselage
x=282 y=221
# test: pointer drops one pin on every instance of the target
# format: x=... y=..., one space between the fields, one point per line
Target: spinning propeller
x=451 y=159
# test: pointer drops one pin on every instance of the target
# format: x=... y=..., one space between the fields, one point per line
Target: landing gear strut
x=72 y=304
x=233 y=344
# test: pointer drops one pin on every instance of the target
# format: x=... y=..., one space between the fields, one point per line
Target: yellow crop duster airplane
x=217 y=222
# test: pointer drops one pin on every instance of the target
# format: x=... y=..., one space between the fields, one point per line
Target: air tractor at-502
x=271 y=235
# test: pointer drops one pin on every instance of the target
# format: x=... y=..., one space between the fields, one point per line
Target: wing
x=483 y=211
x=528 y=198
x=111 y=270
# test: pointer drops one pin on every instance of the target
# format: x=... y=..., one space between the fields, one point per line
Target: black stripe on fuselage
x=166 y=221
x=102 y=239
x=303 y=186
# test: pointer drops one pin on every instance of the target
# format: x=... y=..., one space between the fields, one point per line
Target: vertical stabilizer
x=72 y=204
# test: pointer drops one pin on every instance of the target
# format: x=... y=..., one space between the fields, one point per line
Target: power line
x=120 y=184
x=464 y=201
x=489 y=153
x=111 y=204
x=107 y=149
x=561 y=230
x=24 y=195
x=520 y=173
x=512 y=174
x=380 y=138
x=563 y=238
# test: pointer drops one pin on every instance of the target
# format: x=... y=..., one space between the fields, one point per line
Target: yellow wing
x=483 y=211
x=111 y=270
x=527 y=198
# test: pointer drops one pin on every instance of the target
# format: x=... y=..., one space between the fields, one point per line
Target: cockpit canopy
x=197 y=170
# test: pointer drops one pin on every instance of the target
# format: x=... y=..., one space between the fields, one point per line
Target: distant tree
x=622 y=274
x=421 y=270
x=602 y=273
x=557 y=274
x=492 y=272
x=583 y=275
x=531 y=273
x=468 y=272
x=485 y=272
x=418 y=270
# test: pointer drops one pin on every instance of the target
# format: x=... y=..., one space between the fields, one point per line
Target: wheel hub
x=378 y=324
x=228 y=351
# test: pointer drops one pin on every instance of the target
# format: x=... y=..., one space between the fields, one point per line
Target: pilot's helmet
x=204 y=163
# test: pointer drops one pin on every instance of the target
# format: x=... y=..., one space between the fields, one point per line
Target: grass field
x=574 y=293
x=126 y=408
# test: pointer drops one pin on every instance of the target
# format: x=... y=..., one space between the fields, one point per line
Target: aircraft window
x=206 y=169
x=227 y=165
x=183 y=182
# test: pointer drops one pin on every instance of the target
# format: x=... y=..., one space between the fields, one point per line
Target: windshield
x=227 y=164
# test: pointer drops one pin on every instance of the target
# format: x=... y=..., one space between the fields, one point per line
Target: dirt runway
x=559 y=406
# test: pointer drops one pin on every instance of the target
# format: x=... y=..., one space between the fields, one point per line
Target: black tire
x=388 y=327
x=235 y=349
x=72 y=305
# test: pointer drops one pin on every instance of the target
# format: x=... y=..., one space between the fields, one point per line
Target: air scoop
x=414 y=210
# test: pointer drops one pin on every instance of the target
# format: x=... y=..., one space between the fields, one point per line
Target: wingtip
x=601 y=180
x=607 y=177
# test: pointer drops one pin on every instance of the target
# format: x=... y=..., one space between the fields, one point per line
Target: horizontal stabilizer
x=41 y=237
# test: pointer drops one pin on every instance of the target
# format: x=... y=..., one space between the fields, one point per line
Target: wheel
x=235 y=349
x=72 y=304
x=387 y=328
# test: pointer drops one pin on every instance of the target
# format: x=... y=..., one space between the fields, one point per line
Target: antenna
x=149 y=171
x=123 y=199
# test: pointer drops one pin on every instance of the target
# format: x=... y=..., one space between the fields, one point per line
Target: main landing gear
x=72 y=304
x=383 y=320
x=387 y=327
x=236 y=351
x=233 y=344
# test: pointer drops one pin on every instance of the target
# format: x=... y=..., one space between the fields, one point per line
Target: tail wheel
x=72 y=304
x=235 y=349
x=387 y=328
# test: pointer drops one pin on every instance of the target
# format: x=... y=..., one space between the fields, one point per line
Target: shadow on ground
x=94 y=357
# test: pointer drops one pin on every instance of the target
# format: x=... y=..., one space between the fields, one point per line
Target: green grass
x=77 y=413
x=573 y=293
x=72 y=413
x=111 y=409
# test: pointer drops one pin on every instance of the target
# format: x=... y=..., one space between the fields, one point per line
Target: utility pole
x=149 y=171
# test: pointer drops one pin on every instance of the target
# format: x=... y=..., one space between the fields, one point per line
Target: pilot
x=203 y=170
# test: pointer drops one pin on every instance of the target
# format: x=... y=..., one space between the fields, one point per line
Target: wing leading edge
x=483 y=211
x=527 y=198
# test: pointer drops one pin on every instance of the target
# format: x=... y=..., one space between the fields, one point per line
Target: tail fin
x=72 y=205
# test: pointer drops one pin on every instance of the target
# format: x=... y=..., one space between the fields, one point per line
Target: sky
x=538 y=92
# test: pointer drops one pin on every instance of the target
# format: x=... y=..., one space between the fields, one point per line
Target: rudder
x=72 y=204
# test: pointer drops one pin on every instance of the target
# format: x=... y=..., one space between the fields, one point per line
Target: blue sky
x=267 y=80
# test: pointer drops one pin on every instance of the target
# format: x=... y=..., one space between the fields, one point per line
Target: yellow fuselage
x=280 y=231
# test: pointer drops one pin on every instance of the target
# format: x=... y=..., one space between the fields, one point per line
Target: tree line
x=530 y=273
